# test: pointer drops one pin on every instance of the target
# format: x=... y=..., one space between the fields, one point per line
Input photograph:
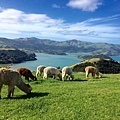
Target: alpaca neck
x=22 y=86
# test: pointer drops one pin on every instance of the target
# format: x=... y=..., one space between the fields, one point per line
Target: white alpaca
x=67 y=73
x=12 y=78
x=52 y=71
x=40 y=70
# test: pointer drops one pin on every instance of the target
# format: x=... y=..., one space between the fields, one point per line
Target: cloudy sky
x=60 y=20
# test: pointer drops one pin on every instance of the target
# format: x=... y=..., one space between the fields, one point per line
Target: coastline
x=53 y=60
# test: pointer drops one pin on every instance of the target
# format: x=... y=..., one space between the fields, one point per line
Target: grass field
x=81 y=99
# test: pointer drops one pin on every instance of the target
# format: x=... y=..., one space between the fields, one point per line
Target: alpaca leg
x=13 y=91
x=93 y=74
x=45 y=76
x=63 y=77
x=10 y=90
x=40 y=73
x=60 y=76
x=27 y=78
x=54 y=76
x=0 y=90
x=37 y=74
x=66 y=76
x=72 y=77
x=87 y=74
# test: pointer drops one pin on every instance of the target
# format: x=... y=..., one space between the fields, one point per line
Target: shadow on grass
x=76 y=80
x=31 y=95
x=104 y=77
x=38 y=81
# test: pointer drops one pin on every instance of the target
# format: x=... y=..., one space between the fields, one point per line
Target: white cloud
x=55 y=6
x=19 y=24
x=85 y=5
x=16 y=16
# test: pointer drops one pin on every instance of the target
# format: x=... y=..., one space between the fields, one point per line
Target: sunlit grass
x=81 y=99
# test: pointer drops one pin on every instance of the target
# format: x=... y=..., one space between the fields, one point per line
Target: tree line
x=15 y=56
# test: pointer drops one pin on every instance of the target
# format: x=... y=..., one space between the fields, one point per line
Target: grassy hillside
x=104 y=65
x=81 y=99
x=57 y=47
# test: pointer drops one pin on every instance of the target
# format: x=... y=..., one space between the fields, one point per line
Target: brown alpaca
x=93 y=71
x=12 y=78
x=26 y=73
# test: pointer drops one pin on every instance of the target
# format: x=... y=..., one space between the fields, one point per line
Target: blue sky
x=60 y=20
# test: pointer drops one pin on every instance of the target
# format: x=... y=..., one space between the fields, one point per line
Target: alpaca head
x=29 y=88
x=60 y=76
x=34 y=78
x=72 y=76
x=99 y=75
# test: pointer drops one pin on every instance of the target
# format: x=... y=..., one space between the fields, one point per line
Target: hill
x=101 y=56
x=15 y=56
x=106 y=66
x=59 y=47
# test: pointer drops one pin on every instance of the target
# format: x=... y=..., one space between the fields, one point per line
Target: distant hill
x=59 y=47
x=101 y=56
x=108 y=66
x=15 y=56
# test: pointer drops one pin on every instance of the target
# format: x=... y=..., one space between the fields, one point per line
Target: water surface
x=48 y=60
x=53 y=60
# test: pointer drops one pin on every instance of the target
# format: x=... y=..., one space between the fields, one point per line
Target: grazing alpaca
x=12 y=78
x=48 y=71
x=40 y=70
x=67 y=73
x=26 y=73
x=93 y=71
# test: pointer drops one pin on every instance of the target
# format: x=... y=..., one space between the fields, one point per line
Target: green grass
x=81 y=99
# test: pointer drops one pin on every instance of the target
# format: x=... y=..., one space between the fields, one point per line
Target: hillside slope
x=108 y=66
x=15 y=56
x=57 y=47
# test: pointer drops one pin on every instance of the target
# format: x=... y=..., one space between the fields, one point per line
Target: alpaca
x=12 y=78
x=93 y=71
x=67 y=73
x=26 y=73
x=40 y=70
x=48 y=71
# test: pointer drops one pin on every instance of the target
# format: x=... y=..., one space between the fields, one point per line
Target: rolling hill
x=59 y=47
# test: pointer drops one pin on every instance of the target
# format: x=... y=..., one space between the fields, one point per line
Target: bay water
x=53 y=60
x=49 y=60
